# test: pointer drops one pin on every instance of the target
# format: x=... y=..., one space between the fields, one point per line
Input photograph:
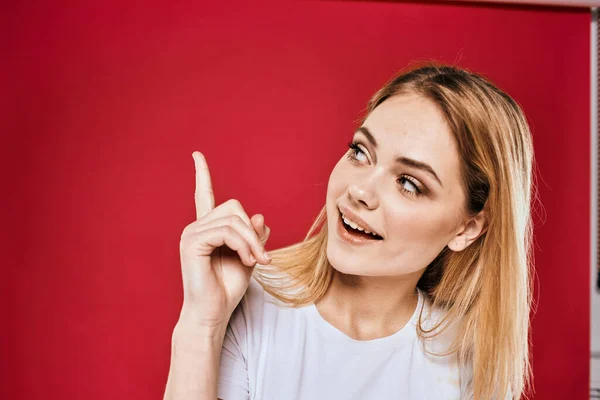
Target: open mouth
x=359 y=233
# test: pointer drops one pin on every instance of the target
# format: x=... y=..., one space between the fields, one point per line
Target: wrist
x=196 y=326
x=192 y=336
x=194 y=318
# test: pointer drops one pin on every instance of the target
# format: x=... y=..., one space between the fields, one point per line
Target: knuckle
x=234 y=203
x=236 y=207
x=235 y=220
x=226 y=230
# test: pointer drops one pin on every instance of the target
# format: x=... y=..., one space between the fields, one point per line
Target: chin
x=341 y=262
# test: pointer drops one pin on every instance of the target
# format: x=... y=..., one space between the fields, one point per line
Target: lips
x=356 y=219
x=358 y=233
x=354 y=237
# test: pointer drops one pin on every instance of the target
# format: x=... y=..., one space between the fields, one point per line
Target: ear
x=469 y=232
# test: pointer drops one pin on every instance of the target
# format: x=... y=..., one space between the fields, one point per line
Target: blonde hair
x=485 y=287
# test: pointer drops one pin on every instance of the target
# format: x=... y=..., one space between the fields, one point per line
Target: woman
x=413 y=282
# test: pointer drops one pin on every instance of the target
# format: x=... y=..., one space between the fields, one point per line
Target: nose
x=363 y=194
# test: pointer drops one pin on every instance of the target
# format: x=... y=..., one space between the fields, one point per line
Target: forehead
x=410 y=117
x=412 y=126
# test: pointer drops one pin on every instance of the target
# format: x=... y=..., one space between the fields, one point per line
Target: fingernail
x=267 y=256
x=252 y=259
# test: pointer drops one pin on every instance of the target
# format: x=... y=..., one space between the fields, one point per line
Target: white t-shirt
x=273 y=352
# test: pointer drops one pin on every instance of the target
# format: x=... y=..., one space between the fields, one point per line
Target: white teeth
x=356 y=226
x=352 y=224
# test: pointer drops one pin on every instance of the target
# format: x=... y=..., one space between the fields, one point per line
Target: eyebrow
x=401 y=160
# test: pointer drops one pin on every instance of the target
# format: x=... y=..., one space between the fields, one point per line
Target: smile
x=352 y=233
x=356 y=226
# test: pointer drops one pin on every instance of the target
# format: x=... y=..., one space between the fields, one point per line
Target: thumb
x=262 y=230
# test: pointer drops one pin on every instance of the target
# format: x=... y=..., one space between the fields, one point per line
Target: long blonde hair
x=485 y=287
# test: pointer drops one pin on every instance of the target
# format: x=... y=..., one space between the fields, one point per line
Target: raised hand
x=218 y=254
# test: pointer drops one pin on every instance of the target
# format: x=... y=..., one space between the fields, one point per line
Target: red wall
x=105 y=103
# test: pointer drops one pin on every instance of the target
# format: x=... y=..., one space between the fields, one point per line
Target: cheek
x=407 y=219
x=332 y=196
x=336 y=183
x=424 y=229
x=337 y=173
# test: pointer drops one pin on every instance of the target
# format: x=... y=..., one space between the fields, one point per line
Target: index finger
x=204 y=196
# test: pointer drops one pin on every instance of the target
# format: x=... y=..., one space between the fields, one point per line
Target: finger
x=258 y=221
x=230 y=207
x=218 y=236
x=262 y=230
x=204 y=196
x=248 y=233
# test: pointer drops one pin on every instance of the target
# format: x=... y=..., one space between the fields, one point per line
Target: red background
x=105 y=103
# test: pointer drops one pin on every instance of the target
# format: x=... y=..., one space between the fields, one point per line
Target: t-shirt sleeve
x=233 y=369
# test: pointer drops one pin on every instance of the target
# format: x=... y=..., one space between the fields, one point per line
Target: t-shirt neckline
x=395 y=340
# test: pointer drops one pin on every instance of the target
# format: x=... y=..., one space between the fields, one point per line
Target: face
x=414 y=212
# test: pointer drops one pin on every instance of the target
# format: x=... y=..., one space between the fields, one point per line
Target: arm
x=195 y=357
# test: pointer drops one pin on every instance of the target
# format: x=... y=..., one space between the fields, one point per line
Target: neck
x=369 y=307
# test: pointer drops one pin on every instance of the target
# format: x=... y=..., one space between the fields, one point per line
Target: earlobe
x=458 y=244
